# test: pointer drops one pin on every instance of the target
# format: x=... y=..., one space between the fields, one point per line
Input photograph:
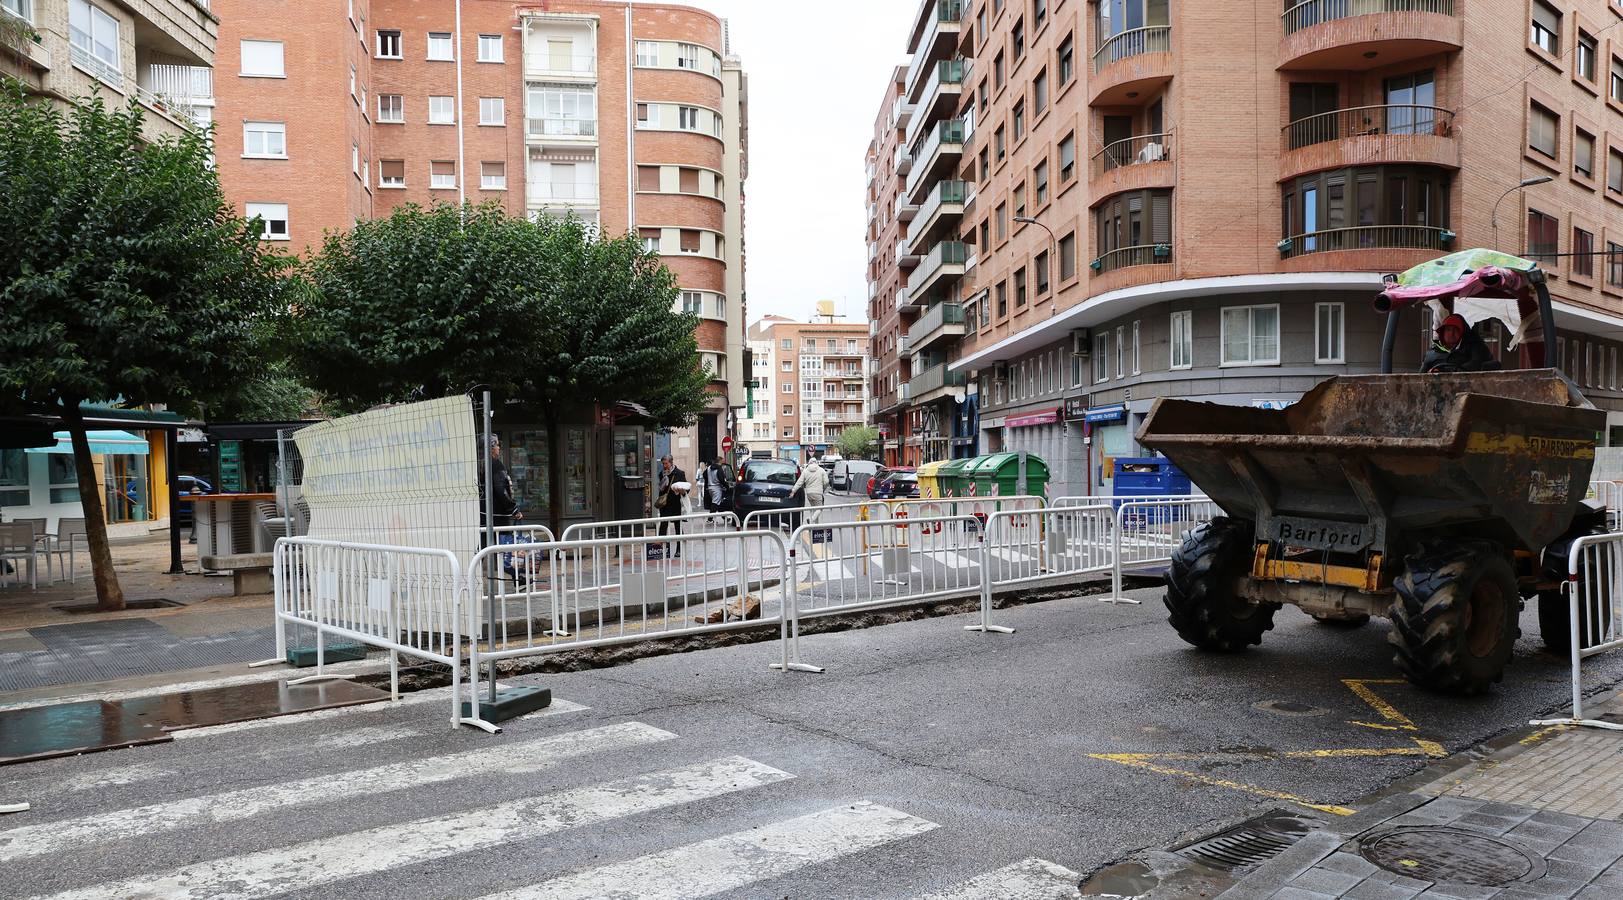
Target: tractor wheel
x=1454 y=617
x=1349 y=622
x=1205 y=609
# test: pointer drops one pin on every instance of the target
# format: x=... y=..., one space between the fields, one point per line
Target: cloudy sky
x=813 y=99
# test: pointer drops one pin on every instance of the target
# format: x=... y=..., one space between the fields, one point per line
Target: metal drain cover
x=1451 y=855
x=1249 y=844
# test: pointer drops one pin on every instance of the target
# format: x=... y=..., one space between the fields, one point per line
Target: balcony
x=1141 y=255
x=182 y=93
x=901 y=113
x=1134 y=62
x=939 y=213
x=944 y=320
x=565 y=128
x=565 y=191
x=905 y=209
x=937 y=157
x=935 y=382
x=1363 y=135
x=1135 y=163
x=901 y=162
x=904 y=298
x=938 y=95
x=1395 y=247
x=945 y=261
x=905 y=256
x=1364 y=34
x=935 y=36
x=570 y=66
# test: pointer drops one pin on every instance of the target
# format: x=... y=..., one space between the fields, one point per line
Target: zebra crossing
x=567 y=784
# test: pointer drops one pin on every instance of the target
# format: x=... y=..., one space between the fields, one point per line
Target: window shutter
x=1161 y=218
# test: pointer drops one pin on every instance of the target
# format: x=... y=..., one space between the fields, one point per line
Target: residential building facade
x=631 y=117
x=1167 y=198
x=819 y=377
x=889 y=314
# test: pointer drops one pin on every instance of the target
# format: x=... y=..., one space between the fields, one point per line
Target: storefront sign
x=1076 y=408
x=190 y=436
x=1107 y=414
x=1041 y=417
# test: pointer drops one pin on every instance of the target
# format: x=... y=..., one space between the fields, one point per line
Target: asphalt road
x=924 y=758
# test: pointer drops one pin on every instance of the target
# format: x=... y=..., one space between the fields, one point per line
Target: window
x=647 y=53
x=1039 y=180
x=1182 y=340
x=1067 y=158
x=1019 y=117
x=1543 y=130
x=1583 y=246
x=1542 y=231
x=1067 y=257
x=687 y=117
x=94 y=33
x=389 y=45
x=1583 y=154
x=1065 y=65
x=1337 y=209
x=997 y=70
x=1039 y=93
x=1585 y=60
x=14 y=490
x=788 y=388
x=1019 y=200
x=1546 y=28
x=1121 y=351
x=687 y=56
x=440 y=111
x=1614 y=266
x=391 y=173
x=264 y=140
x=391 y=108
x=492 y=110
x=442 y=174
x=354 y=91
x=1041 y=265
x=273 y=218
x=1002 y=221
x=262 y=59
x=1615 y=84
x=355 y=158
x=786 y=344
x=490 y=48
x=1329 y=333
x=688 y=240
x=981 y=95
x=1020 y=287
x=22 y=9
x=1039 y=12
x=999 y=145
x=651 y=238
x=493 y=176
x=439 y=45
x=788 y=366
x=1133 y=220
x=693 y=302
x=1017 y=38
x=1136 y=367
x=1002 y=298
x=1250 y=335
x=1101 y=357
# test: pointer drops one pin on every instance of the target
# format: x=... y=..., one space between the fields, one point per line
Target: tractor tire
x=1357 y=620
x=1203 y=605
x=1454 y=619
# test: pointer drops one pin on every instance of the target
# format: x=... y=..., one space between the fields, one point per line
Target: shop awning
x=1040 y=417
x=108 y=442
x=1107 y=414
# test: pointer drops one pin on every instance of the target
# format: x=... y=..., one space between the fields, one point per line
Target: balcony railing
x=935 y=378
x=1151 y=39
x=560 y=127
x=181 y=83
x=947 y=133
x=944 y=253
x=560 y=63
x=1367 y=237
x=1314 y=12
x=85 y=60
x=1142 y=148
x=191 y=116
x=1364 y=121
x=1141 y=255
x=562 y=190
x=944 y=192
x=939 y=316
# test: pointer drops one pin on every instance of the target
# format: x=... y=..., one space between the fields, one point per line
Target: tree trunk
x=555 y=474
x=109 y=596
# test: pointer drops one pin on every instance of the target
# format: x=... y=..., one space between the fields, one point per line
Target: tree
x=431 y=302
x=126 y=277
x=856 y=442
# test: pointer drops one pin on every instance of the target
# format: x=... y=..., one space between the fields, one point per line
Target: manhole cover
x=1288 y=708
x=1450 y=855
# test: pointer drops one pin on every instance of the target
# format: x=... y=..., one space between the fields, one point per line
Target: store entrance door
x=709 y=443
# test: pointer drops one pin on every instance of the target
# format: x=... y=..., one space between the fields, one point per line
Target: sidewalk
x=1540 y=816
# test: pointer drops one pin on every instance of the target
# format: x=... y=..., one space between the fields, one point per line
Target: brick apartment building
x=816 y=388
x=889 y=314
x=1216 y=190
x=630 y=116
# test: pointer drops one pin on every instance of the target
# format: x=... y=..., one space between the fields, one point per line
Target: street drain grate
x=1250 y=843
x=1454 y=855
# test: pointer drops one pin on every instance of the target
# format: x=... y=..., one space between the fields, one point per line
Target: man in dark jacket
x=1457 y=348
x=668 y=499
x=503 y=503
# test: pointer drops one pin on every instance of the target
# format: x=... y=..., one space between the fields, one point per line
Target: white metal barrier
x=1594 y=592
x=1096 y=499
x=400 y=599
x=1610 y=495
x=1147 y=531
x=617 y=590
x=789 y=519
x=649 y=527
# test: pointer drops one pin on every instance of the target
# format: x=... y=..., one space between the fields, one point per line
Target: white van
x=851 y=475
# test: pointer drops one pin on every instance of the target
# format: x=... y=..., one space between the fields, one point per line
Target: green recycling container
x=950 y=477
x=998 y=475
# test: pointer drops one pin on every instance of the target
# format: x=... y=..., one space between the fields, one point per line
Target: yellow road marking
x=1374 y=725
x=1543 y=734
x=1360 y=686
x=1338 y=753
x=1131 y=759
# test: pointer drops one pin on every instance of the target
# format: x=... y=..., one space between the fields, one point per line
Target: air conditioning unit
x=1081 y=343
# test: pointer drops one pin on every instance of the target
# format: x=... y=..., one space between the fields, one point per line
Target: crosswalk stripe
x=1029 y=879
x=326 y=860
x=525 y=756
x=734 y=860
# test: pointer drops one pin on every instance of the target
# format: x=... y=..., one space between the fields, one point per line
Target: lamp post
x=1053 y=246
x=1493 y=220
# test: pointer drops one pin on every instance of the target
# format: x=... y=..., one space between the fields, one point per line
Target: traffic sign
x=727 y=444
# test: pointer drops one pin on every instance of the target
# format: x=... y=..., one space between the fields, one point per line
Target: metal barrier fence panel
x=1610 y=495
x=1147 y=531
x=400 y=599
x=1042 y=544
x=1594 y=592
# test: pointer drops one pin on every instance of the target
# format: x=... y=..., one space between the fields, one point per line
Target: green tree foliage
x=431 y=302
x=124 y=276
x=857 y=442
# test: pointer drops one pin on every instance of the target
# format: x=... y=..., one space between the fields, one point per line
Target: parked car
x=188 y=485
x=851 y=475
x=876 y=483
x=766 y=484
x=898 y=485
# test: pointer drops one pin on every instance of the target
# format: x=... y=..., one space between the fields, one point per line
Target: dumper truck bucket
x=1374 y=462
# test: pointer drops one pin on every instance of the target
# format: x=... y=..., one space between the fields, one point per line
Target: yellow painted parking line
x=1543 y=734
x=1135 y=760
x=1360 y=686
x=1374 y=725
x=1337 y=753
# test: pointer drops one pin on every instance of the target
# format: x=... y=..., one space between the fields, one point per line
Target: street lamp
x=1053 y=246
x=1493 y=220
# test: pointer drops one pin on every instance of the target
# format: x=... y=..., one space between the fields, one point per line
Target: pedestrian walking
x=673 y=485
x=814 y=481
x=718 y=483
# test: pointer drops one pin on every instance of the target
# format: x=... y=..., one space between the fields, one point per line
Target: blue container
x=1149 y=477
